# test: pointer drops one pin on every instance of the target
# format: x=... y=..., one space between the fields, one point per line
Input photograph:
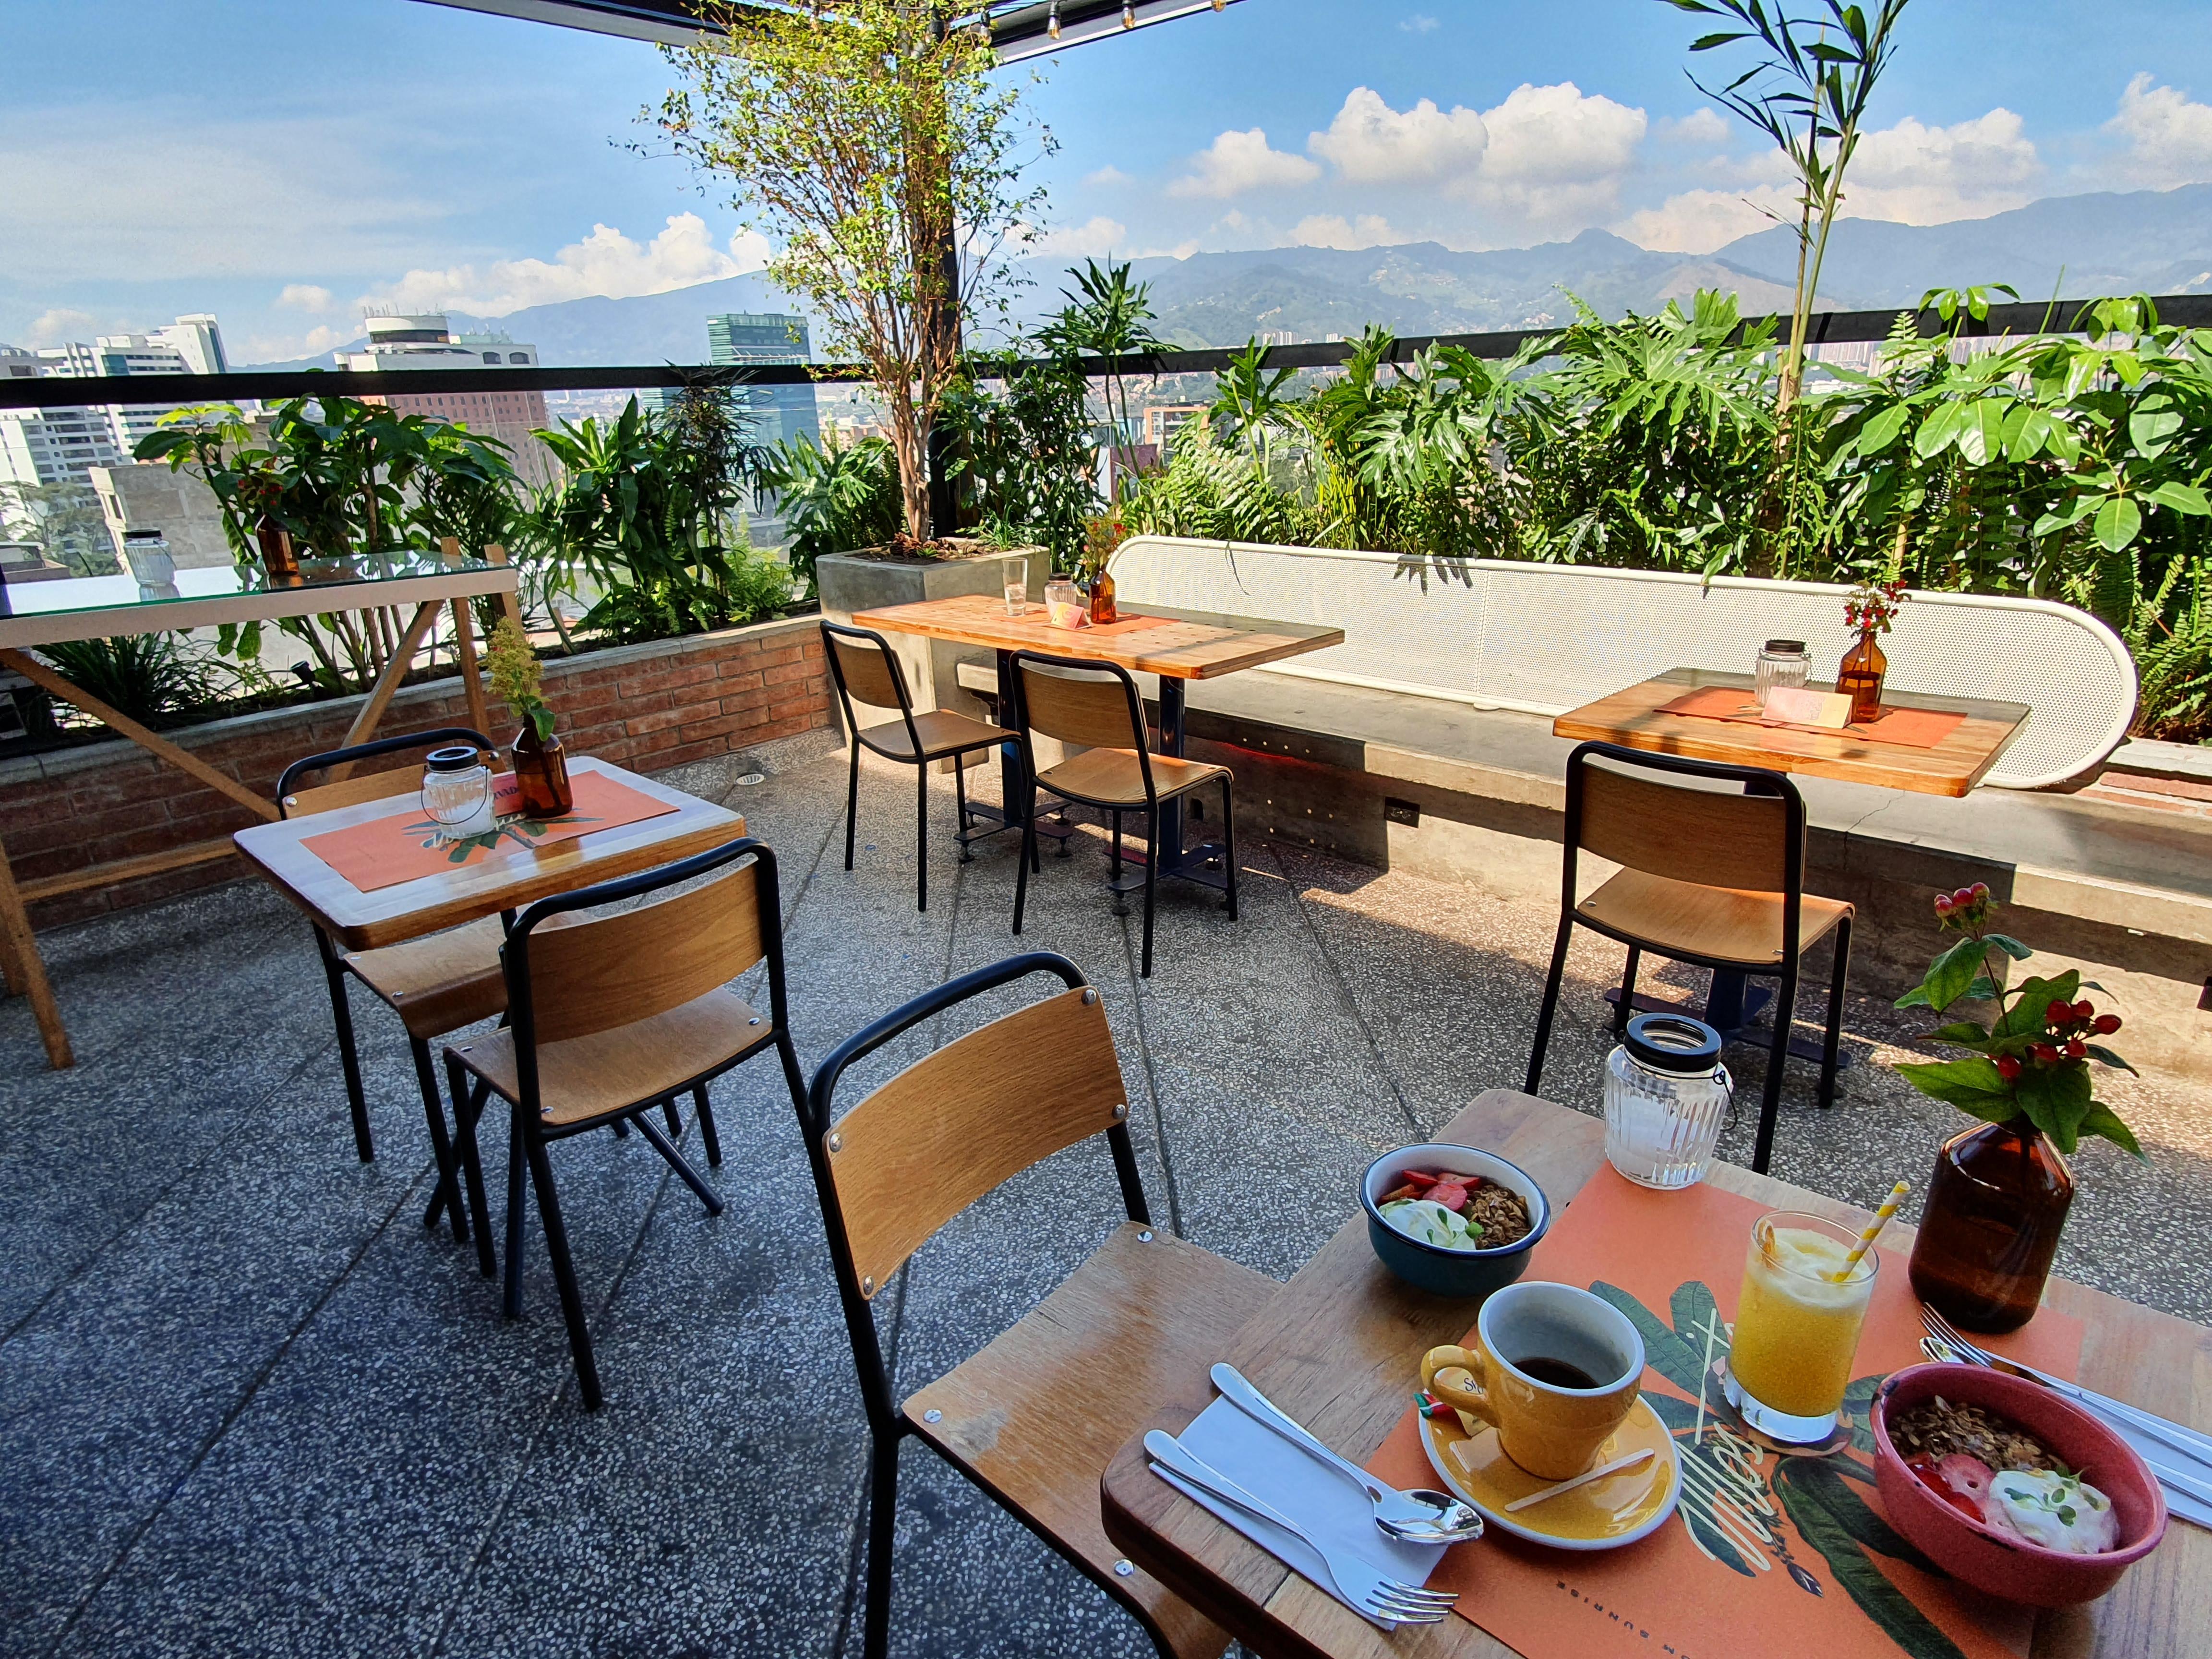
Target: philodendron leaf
x=2101 y=1121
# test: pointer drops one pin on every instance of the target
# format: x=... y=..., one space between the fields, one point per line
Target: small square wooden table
x=1633 y=719
x=1176 y=644
x=1340 y=1348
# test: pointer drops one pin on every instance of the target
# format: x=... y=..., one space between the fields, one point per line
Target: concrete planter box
x=864 y=581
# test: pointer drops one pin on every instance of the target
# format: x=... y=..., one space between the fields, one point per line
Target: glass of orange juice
x=1797 y=1325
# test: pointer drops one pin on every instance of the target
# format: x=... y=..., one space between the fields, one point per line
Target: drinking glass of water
x=1018 y=588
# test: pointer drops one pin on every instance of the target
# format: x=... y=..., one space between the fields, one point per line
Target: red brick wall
x=644 y=707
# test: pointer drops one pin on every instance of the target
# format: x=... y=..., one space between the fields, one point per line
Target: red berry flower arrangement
x=1872 y=605
x=2034 y=1061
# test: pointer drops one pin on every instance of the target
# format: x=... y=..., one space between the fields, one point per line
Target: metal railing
x=54 y=391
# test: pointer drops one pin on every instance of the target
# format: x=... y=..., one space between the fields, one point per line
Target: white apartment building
x=61 y=445
x=402 y=343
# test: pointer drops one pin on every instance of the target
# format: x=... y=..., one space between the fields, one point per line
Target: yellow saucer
x=1601 y=1515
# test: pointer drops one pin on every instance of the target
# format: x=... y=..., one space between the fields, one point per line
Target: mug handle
x=1474 y=1401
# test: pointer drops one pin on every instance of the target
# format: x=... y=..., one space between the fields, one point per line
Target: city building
x=1163 y=421
x=61 y=445
x=761 y=339
x=139 y=496
x=399 y=343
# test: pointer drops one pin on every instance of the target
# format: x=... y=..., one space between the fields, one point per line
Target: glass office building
x=761 y=339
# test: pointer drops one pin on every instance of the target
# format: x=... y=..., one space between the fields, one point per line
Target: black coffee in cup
x=1558 y=1373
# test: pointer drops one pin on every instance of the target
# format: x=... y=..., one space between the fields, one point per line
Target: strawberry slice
x=1450 y=1195
x=1419 y=1178
x=1408 y=1191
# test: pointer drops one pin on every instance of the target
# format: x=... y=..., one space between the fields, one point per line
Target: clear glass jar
x=457 y=791
x=1780 y=662
x=1666 y=1096
x=1063 y=604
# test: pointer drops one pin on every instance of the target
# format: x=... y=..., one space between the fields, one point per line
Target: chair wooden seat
x=1129 y=1328
x=441 y=982
x=941 y=731
x=1725 y=924
x=1115 y=777
x=588 y=1077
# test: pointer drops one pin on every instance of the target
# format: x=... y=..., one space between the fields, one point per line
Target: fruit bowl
x=1463 y=1273
x=1983 y=1555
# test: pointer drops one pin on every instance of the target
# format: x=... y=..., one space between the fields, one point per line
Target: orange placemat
x=406 y=846
x=1127 y=624
x=1767 y=1554
x=1908 y=728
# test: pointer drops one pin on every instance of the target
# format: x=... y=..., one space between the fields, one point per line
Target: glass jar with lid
x=457 y=791
x=1780 y=662
x=1666 y=1096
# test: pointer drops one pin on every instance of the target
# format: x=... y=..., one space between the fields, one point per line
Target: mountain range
x=2140 y=241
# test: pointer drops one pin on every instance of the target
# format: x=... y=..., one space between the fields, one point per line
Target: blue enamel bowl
x=1468 y=1276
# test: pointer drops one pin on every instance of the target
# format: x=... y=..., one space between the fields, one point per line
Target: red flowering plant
x=1872 y=605
x=2034 y=1061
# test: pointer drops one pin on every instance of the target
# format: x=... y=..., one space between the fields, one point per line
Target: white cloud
x=1094 y=238
x=1916 y=175
x=1331 y=230
x=1701 y=126
x=1238 y=161
x=58 y=325
x=291 y=347
x=1418 y=23
x=1108 y=175
x=304 y=296
x=2169 y=138
x=1700 y=221
x=606 y=262
x=1370 y=142
x=1557 y=154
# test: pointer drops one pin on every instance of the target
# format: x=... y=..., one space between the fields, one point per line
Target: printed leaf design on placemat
x=1834 y=1521
x=522 y=830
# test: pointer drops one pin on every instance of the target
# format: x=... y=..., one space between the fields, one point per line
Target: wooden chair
x=1034 y=1418
x=613 y=1016
x=436 y=984
x=1711 y=878
x=864 y=668
x=1079 y=701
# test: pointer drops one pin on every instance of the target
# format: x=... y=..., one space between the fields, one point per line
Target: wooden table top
x=408 y=910
x=1151 y=639
x=1953 y=766
x=1340 y=1348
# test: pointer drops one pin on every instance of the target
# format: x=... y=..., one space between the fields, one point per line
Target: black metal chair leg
x=681 y=1164
x=564 y=1266
x=619 y=1129
x=1229 y=844
x=1833 y=1040
x=882 y=1524
x=1151 y=882
x=675 y=1119
x=1770 y=1104
x=851 y=801
x=511 y=1293
x=447 y=1194
x=1550 y=1005
x=1114 y=870
x=708 y=1137
x=1022 y=866
x=468 y=1108
x=921 y=836
x=1626 y=1005
x=349 y=1056
x=960 y=798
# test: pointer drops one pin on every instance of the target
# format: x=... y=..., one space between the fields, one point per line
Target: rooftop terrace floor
x=250 y=1406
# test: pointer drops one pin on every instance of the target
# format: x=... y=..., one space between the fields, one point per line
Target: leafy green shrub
x=835 y=498
x=157 y=679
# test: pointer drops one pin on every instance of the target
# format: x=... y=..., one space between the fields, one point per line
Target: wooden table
x=1339 y=1349
x=1953 y=766
x=50 y=613
x=429 y=904
x=1176 y=644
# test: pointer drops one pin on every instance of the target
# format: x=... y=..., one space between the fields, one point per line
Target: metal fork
x=1367 y=1590
x=2198 y=1447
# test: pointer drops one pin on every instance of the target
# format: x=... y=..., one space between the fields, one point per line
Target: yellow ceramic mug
x=1537 y=1344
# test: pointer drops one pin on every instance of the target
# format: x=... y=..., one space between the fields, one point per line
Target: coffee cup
x=1555 y=1371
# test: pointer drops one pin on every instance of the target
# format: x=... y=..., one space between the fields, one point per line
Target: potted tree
x=868 y=143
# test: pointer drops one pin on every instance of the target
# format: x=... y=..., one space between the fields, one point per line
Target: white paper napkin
x=1327 y=1506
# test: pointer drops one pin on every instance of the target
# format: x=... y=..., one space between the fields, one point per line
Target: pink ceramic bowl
x=1995 y=1561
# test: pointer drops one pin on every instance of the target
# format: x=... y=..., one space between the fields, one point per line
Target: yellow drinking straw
x=1872 y=1231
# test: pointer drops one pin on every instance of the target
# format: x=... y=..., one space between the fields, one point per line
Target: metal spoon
x=1417 y=1517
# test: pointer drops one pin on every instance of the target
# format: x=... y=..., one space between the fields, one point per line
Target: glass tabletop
x=65 y=594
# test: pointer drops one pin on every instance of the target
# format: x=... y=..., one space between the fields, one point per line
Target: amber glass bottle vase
x=1860 y=678
x=541 y=773
x=1102 y=599
x=1995 y=1208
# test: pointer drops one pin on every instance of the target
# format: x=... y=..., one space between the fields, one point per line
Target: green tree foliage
x=835 y=498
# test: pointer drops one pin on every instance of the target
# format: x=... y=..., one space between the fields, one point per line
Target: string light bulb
x=1221 y=5
x=1052 y=22
x=1129 y=14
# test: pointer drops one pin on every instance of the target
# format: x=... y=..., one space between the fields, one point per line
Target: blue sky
x=284 y=162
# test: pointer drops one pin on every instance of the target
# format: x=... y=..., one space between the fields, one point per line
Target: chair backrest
x=1092 y=703
x=596 y=974
x=1753 y=839
x=1545 y=638
x=953 y=1125
x=863 y=666
x=293 y=801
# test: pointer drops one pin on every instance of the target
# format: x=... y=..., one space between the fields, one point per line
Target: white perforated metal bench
x=1545 y=638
